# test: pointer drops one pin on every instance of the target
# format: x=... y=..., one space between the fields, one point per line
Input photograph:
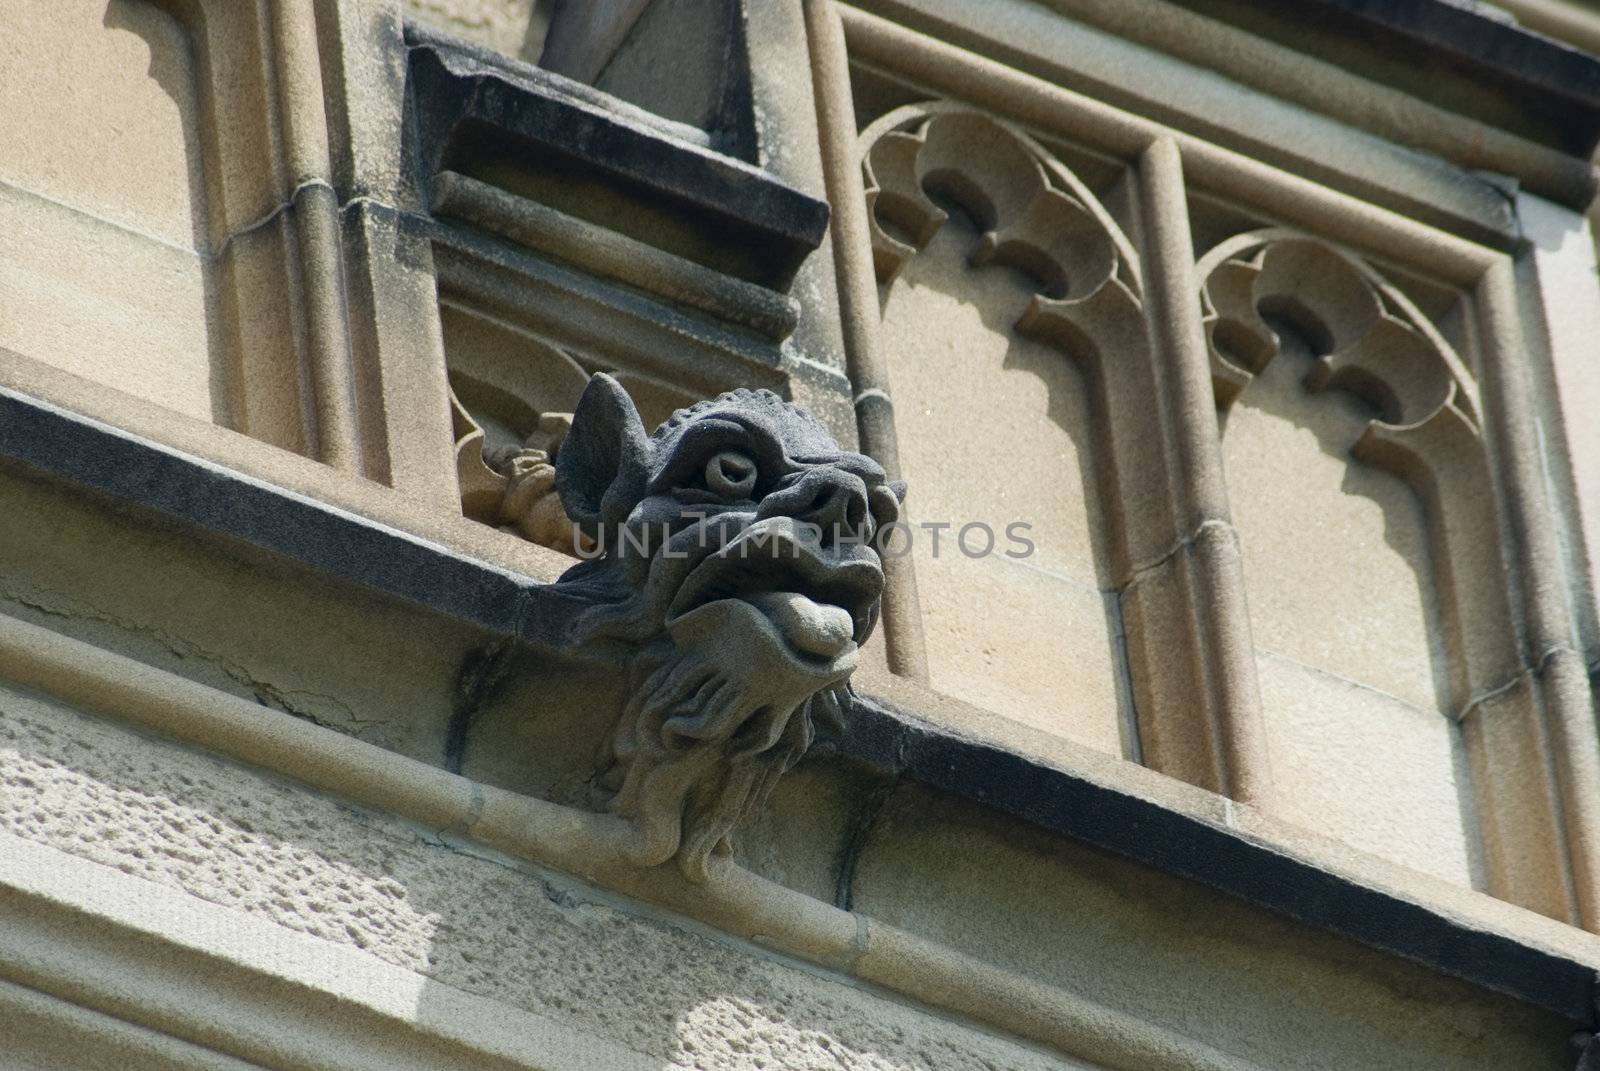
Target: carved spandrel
x=1369 y=338
x=1034 y=214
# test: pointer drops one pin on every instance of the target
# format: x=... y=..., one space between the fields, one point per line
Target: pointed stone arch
x=1085 y=301
x=1428 y=429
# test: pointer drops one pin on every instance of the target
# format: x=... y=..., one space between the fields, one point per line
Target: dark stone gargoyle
x=738 y=580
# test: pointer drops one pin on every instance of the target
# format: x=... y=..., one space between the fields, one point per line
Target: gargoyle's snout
x=830 y=498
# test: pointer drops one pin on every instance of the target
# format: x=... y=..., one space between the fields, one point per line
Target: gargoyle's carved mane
x=742 y=396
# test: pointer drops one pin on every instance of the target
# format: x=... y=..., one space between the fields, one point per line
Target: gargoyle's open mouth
x=821 y=601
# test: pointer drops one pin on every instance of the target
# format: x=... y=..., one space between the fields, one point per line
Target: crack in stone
x=266 y=219
x=1525 y=672
x=458 y=843
x=290 y=701
x=1138 y=572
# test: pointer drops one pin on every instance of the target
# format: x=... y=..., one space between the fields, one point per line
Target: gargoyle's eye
x=731 y=474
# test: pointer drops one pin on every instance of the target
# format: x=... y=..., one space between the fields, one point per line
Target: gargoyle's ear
x=605 y=459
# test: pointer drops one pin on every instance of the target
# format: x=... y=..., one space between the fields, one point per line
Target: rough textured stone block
x=269 y=850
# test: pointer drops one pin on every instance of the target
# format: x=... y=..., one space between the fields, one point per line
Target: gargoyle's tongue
x=814 y=628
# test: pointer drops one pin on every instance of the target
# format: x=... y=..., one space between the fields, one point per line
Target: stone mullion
x=317 y=276
x=859 y=315
x=276 y=241
x=1552 y=661
x=1198 y=702
x=396 y=344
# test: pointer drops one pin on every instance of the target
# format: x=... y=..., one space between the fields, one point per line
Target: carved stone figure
x=735 y=582
x=512 y=486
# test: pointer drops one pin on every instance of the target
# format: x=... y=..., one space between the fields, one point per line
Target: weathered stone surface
x=513 y=27
x=994 y=429
x=1336 y=553
x=1113 y=932
x=1481 y=62
x=262 y=320
x=1378 y=773
x=99 y=114
x=1025 y=643
x=268 y=849
x=654 y=66
x=235 y=626
x=1073 y=792
x=104 y=245
x=1367 y=519
x=719 y=211
x=108 y=303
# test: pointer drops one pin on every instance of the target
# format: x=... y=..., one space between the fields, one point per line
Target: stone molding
x=1035 y=214
x=1525 y=73
x=611 y=255
x=766 y=227
x=1073 y=793
x=597 y=848
x=275 y=228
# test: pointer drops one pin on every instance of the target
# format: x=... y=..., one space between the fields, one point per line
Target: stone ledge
x=597 y=158
x=1142 y=816
x=1215 y=850
x=610 y=255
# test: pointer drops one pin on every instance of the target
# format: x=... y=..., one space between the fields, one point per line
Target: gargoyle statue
x=736 y=582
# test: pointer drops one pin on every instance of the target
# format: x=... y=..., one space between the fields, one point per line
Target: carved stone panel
x=994 y=430
x=1344 y=612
